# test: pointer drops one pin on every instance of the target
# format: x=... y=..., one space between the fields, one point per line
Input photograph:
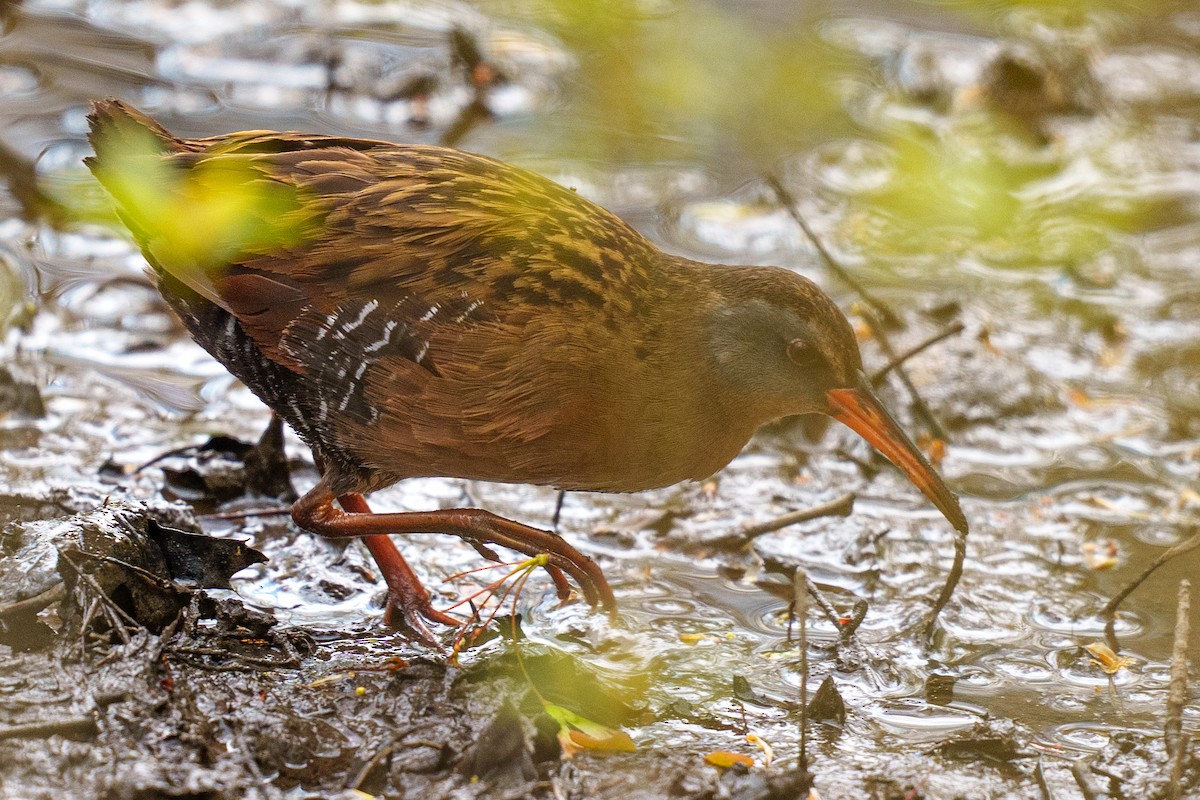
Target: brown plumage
x=420 y=311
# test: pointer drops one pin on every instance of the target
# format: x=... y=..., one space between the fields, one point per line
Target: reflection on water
x=1032 y=174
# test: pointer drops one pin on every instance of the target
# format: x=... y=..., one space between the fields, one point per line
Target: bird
x=419 y=311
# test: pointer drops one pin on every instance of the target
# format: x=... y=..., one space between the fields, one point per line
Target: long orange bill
x=860 y=410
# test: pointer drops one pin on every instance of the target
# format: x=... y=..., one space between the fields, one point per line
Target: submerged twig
x=1085 y=782
x=250 y=512
x=36 y=603
x=1110 y=608
x=956 y=571
x=839 y=507
x=1177 y=694
x=374 y=761
x=69 y=726
x=799 y=580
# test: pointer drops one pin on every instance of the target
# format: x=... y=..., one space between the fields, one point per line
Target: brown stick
x=839 y=507
x=918 y=403
x=1084 y=781
x=798 y=581
x=1110 y=608
x=374 y=761
x=36 y=603
x=878 y=375
x=70 y=726
x=20 y=174
x=1177 y=694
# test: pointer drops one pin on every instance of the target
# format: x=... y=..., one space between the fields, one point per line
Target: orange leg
x=316 y=512
x=405 y=592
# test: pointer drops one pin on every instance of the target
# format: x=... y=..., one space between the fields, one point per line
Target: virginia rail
x=428 y=312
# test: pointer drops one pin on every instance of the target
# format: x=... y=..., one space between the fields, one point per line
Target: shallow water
x=1058 y=223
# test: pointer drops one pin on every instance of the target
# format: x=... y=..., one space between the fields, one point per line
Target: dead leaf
x=1104 y=657
x=576 y=733
x=723 y=759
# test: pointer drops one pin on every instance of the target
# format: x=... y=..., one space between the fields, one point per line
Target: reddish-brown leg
x=316 y=512
x=406 y=595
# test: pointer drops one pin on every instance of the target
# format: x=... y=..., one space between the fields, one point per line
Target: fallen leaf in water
x=577 y=733
x=1104 y=657
x=1100 y=556
x=1079 y=398
x=723 y=759
x=761 y=744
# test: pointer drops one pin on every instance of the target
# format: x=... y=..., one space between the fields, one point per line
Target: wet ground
x=1029 y=172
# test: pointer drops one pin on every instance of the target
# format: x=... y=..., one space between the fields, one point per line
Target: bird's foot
x=315 y=512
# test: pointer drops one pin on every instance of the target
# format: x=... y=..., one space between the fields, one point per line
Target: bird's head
x=780 y=346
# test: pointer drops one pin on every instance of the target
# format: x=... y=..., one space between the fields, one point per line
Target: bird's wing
x=433 y=238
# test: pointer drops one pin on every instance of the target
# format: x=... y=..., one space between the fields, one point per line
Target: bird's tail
x=116 y=128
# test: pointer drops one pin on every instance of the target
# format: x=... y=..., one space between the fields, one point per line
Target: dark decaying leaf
x=502 y=752
x=19 y=398
x=827 y=705
x=202 y=560
x=224 y=468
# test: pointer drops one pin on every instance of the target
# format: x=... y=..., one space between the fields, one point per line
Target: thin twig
x=788 y=202
x=1039 y=774
x=252 y=512
x=878 y=375
x=69 y=726
x=815 y=593
x=1110 y=609
x=798 y=580
x=840 y=507
x=156 y=581
x=36 y=603
x=849 y=626
x=112 y=611
x=1177 y=693
x=365 y=772
x=956 y=571
x=1084 y=781
x=558 y=506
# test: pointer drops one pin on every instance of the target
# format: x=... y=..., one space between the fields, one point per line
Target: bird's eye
x=801 y=352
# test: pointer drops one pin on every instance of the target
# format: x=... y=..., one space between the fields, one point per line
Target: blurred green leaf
x=203 y=217
x=655 y=85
